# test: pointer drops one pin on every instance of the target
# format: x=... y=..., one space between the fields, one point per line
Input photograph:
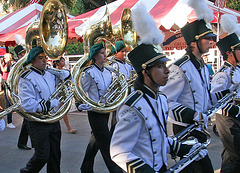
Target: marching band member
x=96 y=79
x=227 y=121
x=35 y=86
x=119 y=57
x=2 y=124
x=139 y=142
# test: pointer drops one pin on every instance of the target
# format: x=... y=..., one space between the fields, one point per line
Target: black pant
x=201 y=166
x=23 y=137
x=100 y=139
x=229 y=132
x=46 y=139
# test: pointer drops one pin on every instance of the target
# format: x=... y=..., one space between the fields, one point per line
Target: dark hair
x=61 y=58
x=189 y=48
x=55 y=63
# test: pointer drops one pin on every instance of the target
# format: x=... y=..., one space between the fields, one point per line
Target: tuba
x=116 y=93
x=51 y=33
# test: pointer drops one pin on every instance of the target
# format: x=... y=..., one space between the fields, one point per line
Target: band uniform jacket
x=226 y=78
x=138 y=140
x=123 y=67
x=35 y=87
x=188 y=90
x=96 y=80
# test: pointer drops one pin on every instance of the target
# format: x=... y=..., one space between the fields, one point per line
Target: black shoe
x=24 y=147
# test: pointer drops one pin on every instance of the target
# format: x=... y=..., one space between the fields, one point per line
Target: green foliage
x=233 y=4
x=75 y=48
x=78 y=8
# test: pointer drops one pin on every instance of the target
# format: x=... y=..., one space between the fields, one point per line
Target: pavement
x=72 y=146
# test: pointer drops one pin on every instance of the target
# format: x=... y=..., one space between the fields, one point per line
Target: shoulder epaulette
x=26 y=73
x=133 y=98
x=223 y=68
x=182 y=60
x=87 y=68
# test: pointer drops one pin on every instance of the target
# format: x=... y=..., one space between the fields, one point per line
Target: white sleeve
x=2 y=124
x=27 y=93
x=125 y=136
x=86 y=81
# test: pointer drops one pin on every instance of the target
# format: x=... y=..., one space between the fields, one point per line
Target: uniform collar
x=228 y=64
x=196 y=62
x=37 y=70
x=139 y=85
x=118 y=60
x=99 y=68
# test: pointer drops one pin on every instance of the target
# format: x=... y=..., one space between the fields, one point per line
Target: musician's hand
x=54 y=103
x=85 y=106
x=202 y=152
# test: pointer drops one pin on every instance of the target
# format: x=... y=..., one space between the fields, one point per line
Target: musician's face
x=101 y=58
x=121 y=54
x=159 y=74
x=206 y=43
x=62 y=62
x=40 y=61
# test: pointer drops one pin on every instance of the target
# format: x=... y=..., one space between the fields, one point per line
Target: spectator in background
x=60 y=64
x=8 y=61
x=210 y=69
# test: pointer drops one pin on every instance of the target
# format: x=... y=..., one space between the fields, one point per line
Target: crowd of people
x=137 y=141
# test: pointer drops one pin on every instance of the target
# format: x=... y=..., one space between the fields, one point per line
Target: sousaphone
x=51 y=33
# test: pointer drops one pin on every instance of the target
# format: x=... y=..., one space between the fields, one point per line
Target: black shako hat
x=228 y=43
x=145 y=54
x=19 y=49
x=195 y=30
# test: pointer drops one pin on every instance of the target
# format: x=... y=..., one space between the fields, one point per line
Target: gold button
x=166 y=112
x=155 y=165
x=155 y=152
x=184 y=71
x=150 y=128
x=194 y=91
x=139 y=108
x=190 y=81
x=154 y=140
x=146 y=118
x=196 y=102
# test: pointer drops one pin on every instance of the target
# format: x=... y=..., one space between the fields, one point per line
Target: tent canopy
x=18 y=21
x=166 y=13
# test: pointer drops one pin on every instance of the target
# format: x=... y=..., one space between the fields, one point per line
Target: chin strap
x=150 y=76
x=234 y=54
x=200 y=50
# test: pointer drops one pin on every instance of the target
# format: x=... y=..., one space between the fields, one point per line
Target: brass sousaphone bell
x=51 y=33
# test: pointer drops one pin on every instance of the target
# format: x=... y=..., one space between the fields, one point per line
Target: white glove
x=201 y=154
x=54 y=103
x=85 y=106
x=233 y=87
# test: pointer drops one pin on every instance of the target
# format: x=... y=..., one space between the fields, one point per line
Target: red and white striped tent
x=20 y=18
x=168 y=14
x=18 y=21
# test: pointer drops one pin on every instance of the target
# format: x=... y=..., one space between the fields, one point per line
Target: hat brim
x=210 y=35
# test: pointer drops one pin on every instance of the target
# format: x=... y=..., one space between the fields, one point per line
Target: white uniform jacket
x=35 y=87
x=225 y=78
x=138 y=139
x=95 y=81
x=124 y=67
x=188 y=90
